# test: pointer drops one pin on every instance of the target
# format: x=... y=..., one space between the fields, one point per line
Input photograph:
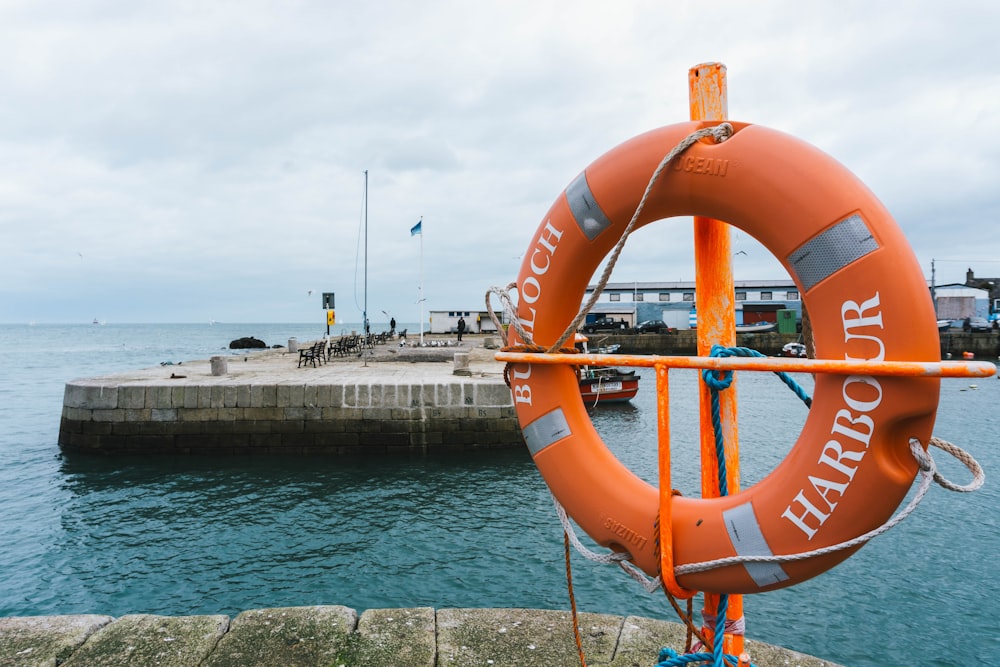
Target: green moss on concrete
x=392 y=638
x=28 y=641
x=523 y=637
x=286 y=636
x=151 y=641
x=334 y=636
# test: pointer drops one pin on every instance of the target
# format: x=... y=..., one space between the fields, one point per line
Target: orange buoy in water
x=866 y=296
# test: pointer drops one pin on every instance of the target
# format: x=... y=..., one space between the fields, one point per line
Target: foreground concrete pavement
x=335 y=636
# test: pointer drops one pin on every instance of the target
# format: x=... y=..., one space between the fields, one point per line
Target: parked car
x=605 y=324
x=978 y=324
x=652 y=326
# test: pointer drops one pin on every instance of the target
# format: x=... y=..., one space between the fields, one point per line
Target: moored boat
x=604 y=384
x=793 y=350
x=756 y=327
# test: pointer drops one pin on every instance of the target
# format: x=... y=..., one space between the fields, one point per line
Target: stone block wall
x=293 y=417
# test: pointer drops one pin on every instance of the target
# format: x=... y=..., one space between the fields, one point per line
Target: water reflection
x=438 y=530
x=194 y=535
x=210 y=535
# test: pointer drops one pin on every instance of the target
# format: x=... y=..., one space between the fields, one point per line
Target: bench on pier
x=313 y=353
x=344 y=346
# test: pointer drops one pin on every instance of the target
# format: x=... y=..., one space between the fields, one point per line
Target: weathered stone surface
x=333 y=636
x=642 y=638
x=151 y=641
x=290 y=636
x=31 y=641
x=768 y=655
x=500 y=637
x=393 y=638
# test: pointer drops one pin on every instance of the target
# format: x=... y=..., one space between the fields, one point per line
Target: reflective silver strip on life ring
x=546 y=430
x=748 y=540
x=589 y=216
x=824 y=254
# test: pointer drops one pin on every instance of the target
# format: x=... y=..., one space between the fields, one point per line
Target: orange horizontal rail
x=946 y=369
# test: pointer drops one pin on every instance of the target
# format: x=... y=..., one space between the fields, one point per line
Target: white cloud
x=207 y=160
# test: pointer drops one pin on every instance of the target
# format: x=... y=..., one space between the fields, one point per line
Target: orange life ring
x=867 y=299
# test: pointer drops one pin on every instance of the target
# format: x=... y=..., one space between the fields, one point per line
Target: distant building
x=992 y=288
x=446 y=321
x=957 y=301
x=675 y=302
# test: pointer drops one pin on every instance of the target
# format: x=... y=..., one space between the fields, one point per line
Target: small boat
x=604 y=384
x=793 y=350
x=756 y=327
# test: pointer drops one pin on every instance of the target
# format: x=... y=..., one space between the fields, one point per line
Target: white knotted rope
x=719 y=132
x=614 y=558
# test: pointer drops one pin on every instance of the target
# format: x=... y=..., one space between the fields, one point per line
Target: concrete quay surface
x=444 y=396
x=336 y=636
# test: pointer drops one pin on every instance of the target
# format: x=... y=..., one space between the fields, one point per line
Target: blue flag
x=416 y=229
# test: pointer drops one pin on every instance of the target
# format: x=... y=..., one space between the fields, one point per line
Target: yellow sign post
x=328 y=305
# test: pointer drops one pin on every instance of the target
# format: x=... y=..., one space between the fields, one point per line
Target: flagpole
x=418 y=229
x=364 y=324
x=421 y=223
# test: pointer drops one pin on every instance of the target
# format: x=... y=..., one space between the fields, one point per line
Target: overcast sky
x=196 y=161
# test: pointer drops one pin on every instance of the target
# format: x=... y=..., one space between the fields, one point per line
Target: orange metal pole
x=941 y=369
x=715 y=292
x=666 y=523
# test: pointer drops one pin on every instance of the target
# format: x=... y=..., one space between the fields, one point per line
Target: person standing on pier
x=461 y=328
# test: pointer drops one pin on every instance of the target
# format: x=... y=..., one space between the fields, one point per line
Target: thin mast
x=421 y=281
x=364 y=314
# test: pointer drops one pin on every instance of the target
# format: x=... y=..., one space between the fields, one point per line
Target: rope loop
x=716 y=379
x=923 y=457
x=508 y=309
x=614 y=558
x=668 y=657
x=720 y=380
x=978 y=476
x=723 y=379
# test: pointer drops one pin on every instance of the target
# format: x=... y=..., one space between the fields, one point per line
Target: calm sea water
x=199 y=535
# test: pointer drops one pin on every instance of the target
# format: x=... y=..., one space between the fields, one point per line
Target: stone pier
x=336 y=636
x=390 y=399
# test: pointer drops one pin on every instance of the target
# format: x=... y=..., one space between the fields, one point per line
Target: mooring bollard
x=462 y=364
x=219 y=366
